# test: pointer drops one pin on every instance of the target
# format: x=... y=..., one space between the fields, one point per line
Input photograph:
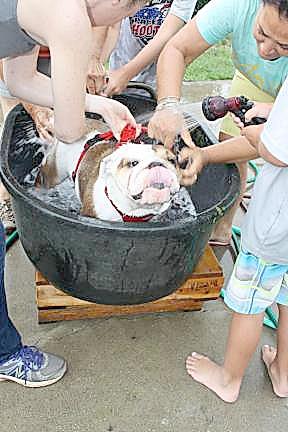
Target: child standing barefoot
x=260 y=275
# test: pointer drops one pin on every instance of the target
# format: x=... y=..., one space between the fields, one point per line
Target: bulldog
x=128 y=181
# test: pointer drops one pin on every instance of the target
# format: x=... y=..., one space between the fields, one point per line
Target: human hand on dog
x=196 y=159
x=43 y=119
x=117 y=116
x=166 y=124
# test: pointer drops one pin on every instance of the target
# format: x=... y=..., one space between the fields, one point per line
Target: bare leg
x=222 y=231
x=225 y=380
x=276 y=360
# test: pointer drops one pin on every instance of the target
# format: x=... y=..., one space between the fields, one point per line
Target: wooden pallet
x=205 y=283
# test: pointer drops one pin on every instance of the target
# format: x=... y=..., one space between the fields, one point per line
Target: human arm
x=69 y=63
x=212 y=24
x=162 y=126
x=254 y=134
x=187 y=45
x=70 y=124
x=70 y=55
x=233 y=150
x=29 y=85
x=43 y=117
x=104 y=41
x=119 y=78
x=215 y=21
x=110 y=41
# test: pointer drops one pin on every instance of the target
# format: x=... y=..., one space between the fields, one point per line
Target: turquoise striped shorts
x=256 y=284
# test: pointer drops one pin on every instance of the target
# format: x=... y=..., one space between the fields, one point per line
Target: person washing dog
x=43 y=116
x=70 y=55
x=259 y=34
x=141 y=39
x=260 y=275
x=67 y=31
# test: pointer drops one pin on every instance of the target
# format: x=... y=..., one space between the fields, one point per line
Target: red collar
x=127 y=134
x=125 y=217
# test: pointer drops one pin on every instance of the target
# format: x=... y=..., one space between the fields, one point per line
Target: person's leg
x=10 y=340
x=225 y=380
x=7 y=102
x=276 y=360
x=24 y=365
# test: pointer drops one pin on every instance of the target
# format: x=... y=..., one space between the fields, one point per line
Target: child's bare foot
x=208 y=373
x=268 y=355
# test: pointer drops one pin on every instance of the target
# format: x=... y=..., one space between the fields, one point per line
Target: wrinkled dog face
x=145 y=174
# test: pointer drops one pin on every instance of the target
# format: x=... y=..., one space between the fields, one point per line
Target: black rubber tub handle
x=142 y=86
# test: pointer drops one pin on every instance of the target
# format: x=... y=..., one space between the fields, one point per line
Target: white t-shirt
x=265 y=229
x=138 y=30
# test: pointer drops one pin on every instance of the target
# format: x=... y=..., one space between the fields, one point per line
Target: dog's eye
x=132 y=164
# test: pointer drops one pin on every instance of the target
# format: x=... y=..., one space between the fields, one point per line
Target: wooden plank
x=204 y=283
x=101 y=311
x=49 y=296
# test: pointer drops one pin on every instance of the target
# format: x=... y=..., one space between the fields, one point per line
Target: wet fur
x=88 y=171
x=88 y=174
x=48 y=176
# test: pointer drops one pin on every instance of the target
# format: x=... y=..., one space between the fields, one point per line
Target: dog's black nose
x=155 y=164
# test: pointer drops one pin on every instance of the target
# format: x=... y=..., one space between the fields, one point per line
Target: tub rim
x=13 y=185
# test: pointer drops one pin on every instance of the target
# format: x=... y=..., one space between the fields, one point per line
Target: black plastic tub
x=112 y=263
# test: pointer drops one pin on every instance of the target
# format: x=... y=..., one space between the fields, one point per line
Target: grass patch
x=214 y=64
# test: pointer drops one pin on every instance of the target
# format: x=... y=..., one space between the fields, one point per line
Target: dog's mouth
x=158 y=185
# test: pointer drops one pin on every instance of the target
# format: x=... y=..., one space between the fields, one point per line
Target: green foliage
x=214 y=64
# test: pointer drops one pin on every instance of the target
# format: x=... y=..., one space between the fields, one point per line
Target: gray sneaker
x=33 y=368
x=7 y=216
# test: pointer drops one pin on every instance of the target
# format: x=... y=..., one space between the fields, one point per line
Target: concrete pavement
x=127 y=374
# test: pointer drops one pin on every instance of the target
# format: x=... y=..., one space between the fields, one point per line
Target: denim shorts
x=256 y=284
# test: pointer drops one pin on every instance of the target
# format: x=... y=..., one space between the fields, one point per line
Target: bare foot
x=268 y=355
x=208 y=373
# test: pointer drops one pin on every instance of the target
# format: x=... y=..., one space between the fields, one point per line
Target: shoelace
x=31 y=357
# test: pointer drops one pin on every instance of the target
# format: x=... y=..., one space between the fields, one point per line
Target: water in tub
x=63 y=196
